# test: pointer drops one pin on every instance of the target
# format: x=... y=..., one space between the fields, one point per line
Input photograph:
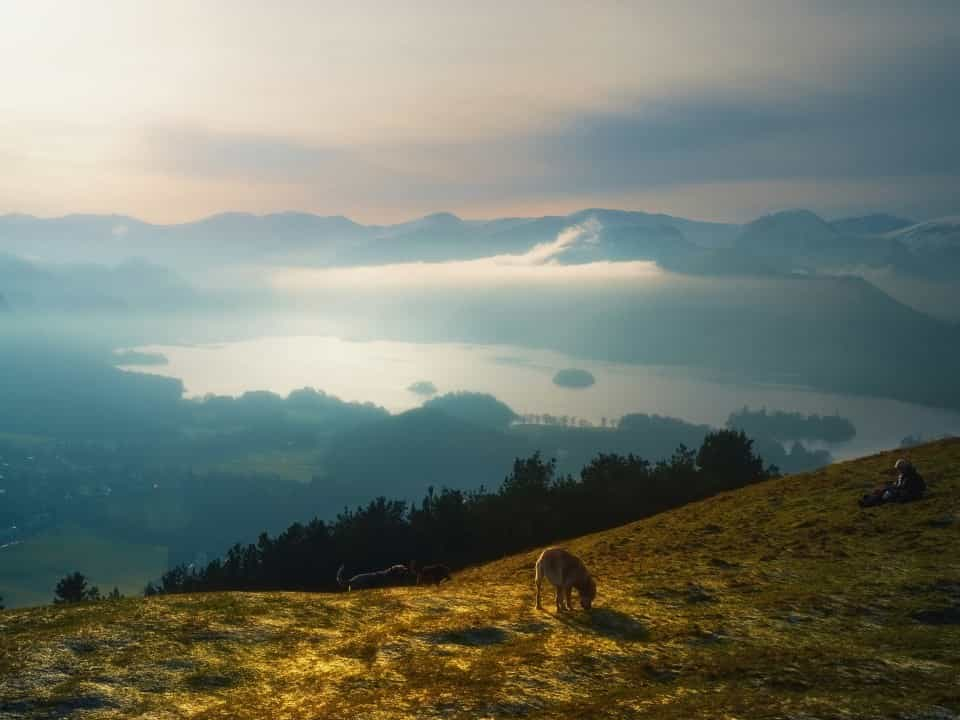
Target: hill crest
x=782 y=599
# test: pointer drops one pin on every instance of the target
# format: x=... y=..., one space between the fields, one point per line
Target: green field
x=26 y=442
x=294 y=465
x=780 y=600
x=29 y=571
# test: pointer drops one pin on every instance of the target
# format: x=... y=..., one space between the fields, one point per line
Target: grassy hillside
x=780 y=600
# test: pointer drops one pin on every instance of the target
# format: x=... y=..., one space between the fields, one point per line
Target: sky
x=387 y=111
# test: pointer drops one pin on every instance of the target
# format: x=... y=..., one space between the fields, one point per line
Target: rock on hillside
x=781 y=600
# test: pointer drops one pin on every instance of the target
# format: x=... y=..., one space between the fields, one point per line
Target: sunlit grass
x=782 y=599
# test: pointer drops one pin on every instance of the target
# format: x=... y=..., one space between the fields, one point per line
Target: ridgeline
x=779 y=600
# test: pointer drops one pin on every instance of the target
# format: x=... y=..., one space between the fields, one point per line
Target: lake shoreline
x=382 y=371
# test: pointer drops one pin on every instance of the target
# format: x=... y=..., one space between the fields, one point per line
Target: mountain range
x=769 y=299
x=784 y=241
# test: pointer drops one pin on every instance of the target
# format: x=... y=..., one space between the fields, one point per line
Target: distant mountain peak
x=787 y=231
x=950 y=221
x=792 y=215
x=300 y=215
x=872 y=224
x=942 y=233
x=436 y=225
x=440 y=218
x=789 y=219
x=231 y=216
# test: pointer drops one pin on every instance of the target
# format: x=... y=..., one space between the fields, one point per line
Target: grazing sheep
x=433 y=574
x=390 y=577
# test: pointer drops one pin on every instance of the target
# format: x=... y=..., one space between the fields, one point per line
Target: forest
x=120 y=465
x=782 y=425
x=533 y=505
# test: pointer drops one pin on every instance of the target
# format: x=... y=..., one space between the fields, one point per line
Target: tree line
x=792 y=425
x=534 y=505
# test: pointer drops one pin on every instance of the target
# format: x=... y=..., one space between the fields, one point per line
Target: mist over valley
x=166 y=364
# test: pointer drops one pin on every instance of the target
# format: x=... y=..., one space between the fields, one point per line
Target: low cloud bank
x=537 y=267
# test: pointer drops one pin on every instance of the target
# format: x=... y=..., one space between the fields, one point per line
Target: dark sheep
x=433 y=574
x=390 y=577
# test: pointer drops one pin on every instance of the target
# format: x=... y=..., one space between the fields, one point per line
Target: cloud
x=537 y=267
x=897 y=124
x=198 y=152
x=425 y=106
x=892 y=117
x=422 y=387
x=586 y=233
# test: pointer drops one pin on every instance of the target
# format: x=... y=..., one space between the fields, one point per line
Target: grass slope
x=780 y=600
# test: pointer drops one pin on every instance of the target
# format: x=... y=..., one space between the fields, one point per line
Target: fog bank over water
x=382 y=372
x=785 y=298
x=539 y=266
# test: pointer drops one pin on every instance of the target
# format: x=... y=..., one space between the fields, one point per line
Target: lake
x=382 y=371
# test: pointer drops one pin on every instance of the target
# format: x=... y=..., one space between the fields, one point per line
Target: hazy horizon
x=573 y=209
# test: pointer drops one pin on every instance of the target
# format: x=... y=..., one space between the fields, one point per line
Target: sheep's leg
x=539 y=580
x=569 y=597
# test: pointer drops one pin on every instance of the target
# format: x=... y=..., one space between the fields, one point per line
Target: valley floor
x=782 y=600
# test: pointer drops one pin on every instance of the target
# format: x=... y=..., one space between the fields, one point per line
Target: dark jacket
x=910 y=484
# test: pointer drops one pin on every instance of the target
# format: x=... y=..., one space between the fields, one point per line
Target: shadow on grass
x=607 y=622
x=469 y=636
x=207 y=679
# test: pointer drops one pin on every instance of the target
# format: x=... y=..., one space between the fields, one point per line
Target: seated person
x=908 y=486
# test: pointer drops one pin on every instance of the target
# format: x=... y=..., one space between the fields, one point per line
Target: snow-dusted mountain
x=932 y=249
x=302 y=238
x=931 y=236
x=875 y=224
x=783 y=242
x=799 y=240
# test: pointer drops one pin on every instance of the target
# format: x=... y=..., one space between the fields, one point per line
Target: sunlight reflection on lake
x=382 y=371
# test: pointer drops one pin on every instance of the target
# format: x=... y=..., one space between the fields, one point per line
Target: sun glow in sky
x=383 y=111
